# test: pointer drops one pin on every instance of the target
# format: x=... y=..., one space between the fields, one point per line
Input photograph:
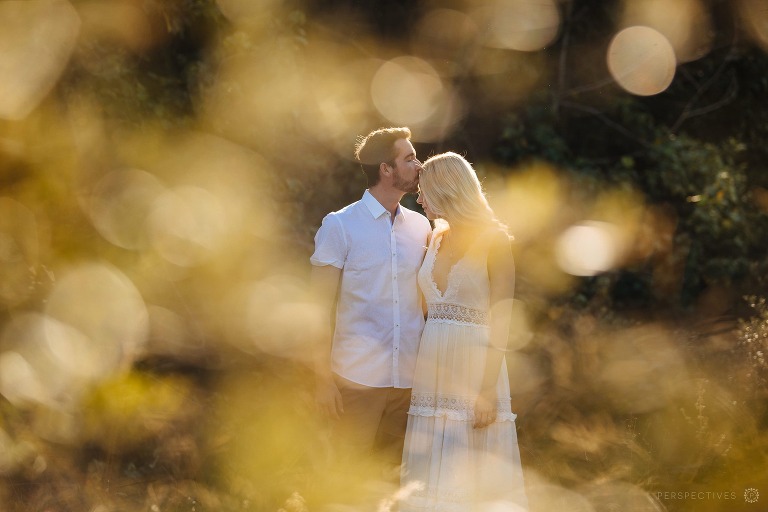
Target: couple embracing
x=430 y=398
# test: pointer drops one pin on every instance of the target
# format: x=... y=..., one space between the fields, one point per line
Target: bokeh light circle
x=754 y=15
x=587 y=249
x=406 y=90
x=119 y=206
x=104 y=305
x=685 y=23
x=642 y=60
x=523 y=25
x=36 y=40
x=337 y=105
x=46 y=361
x=187 y=225
x=122 y=22
x=272 y=307
x=20 y=382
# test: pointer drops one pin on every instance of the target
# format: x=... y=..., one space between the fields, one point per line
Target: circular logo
x=751 y=495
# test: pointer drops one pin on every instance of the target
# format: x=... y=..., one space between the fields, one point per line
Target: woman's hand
x=485 y=408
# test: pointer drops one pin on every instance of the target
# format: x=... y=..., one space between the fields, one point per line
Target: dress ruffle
x=455 y=408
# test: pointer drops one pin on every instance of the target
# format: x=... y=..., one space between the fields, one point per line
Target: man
x=366 y=259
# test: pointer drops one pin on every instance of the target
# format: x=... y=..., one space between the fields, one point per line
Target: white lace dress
x=447 y=464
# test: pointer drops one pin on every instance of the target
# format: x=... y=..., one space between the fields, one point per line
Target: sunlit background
x=165 y=164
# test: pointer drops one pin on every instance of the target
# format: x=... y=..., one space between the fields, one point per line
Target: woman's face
x=425 y=206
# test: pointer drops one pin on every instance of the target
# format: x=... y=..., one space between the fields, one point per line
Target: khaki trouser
x=372 y=425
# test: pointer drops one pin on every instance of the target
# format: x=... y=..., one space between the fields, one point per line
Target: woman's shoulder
x=440 y=228
x=497 y=237
x=498 y=245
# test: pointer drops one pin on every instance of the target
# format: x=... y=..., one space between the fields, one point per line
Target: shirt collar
x=375 y=207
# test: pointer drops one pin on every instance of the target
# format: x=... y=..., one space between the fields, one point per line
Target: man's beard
x=409 y=187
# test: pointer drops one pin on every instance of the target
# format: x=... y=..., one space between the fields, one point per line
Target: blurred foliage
x=720 y=232
x=753 y=341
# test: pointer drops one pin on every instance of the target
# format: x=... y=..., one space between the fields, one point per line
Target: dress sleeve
x=330 y=243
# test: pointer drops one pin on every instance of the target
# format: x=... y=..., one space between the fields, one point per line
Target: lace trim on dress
x=454 y=313
x=458 y=408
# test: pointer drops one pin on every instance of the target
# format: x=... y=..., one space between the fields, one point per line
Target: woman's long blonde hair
x=451 y=188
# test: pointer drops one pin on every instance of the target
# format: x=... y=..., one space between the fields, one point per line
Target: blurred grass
x=243 y=437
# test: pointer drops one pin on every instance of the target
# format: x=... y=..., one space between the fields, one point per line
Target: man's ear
x=384 y=169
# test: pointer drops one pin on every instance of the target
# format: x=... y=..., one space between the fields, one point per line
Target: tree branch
x=730 y=95
x=562 y=64
x=688 y=110
x=612 y=124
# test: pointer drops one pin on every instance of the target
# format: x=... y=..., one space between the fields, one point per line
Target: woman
x=461 y=444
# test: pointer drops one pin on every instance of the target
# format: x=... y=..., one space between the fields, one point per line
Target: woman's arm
x=421 y=293
x=501 y=274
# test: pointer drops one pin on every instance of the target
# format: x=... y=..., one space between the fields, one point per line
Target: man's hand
x=485 y=409
x=328 y=398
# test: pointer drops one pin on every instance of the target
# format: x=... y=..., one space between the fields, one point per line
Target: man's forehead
x=404 y=147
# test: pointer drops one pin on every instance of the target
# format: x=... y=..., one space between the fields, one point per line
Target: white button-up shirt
x=378 y=316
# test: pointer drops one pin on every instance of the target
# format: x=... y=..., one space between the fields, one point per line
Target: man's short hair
x=376 y=148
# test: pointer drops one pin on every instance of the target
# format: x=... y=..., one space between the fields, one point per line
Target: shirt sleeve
x=330 y=243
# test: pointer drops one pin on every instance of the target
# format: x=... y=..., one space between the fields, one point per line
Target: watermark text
x=697 y=495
